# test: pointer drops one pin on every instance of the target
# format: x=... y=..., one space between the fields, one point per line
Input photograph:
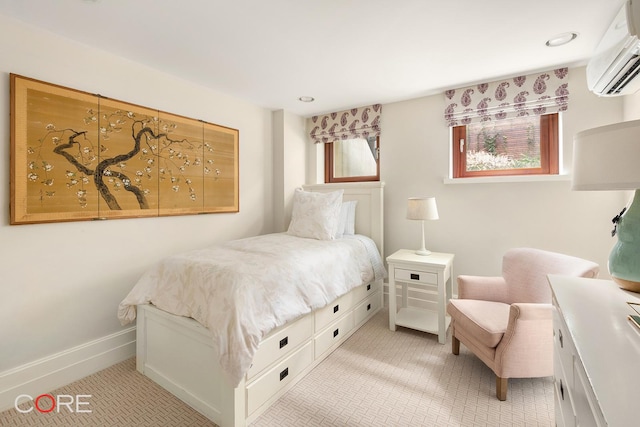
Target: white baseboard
x=60 y=369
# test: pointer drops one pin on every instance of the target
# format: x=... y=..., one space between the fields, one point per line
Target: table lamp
x=422 y=208
x=608 y=158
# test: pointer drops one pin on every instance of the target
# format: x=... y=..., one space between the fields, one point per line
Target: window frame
x=549 y=152
x=329 y=164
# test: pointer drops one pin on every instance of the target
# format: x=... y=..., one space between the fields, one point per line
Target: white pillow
x=315 y=215
x=342 y=220
x=350 y=225
x=347 y=220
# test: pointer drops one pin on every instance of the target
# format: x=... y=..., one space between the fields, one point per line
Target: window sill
x=504 y=179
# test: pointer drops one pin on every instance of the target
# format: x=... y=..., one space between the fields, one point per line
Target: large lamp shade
x=608 y=158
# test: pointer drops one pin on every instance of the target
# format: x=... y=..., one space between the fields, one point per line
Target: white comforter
x=245 y=288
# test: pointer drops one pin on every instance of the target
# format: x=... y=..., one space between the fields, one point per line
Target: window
x=351 y=141
x=508 y=126
x=519 y=146
x=348 y=160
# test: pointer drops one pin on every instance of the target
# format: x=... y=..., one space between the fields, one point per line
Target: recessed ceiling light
x=306 y=99
x=561 y=39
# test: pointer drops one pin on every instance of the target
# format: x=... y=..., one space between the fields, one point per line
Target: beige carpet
x=376 y=378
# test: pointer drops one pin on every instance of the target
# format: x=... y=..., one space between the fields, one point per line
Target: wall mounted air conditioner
x=615 y=65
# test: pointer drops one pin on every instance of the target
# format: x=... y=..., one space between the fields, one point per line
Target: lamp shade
x=607 y=157
x=422 y=208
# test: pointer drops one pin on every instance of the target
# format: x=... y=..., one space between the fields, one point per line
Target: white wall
x=478 y=222
x=61 y=283
x=290 y=146
x=632 y=107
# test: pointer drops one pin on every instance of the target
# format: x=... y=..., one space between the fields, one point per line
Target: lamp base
x=423 y=252
x=624 y=259
x=628 y=285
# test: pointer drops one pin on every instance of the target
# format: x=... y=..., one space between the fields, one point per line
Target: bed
x=184 y=355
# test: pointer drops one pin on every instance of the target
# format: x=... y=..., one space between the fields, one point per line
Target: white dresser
x=596 y=353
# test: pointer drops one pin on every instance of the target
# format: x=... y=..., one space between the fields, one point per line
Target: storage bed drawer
x=368 y=306
x=364 y=291
x=326 y=315
x=280 y=343
x=273 y=380
x=333 y=334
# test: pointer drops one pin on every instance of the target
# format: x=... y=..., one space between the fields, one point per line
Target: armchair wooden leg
x=455 y=345
x=501 y=388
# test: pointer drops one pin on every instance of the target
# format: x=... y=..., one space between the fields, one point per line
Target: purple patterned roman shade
x=535 y=94
x=360 y=122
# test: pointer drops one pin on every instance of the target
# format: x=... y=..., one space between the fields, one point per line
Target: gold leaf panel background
x=79 y=156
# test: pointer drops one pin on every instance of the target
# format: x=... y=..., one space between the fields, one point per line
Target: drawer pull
x=336 y=308
x=284 y=374
x=560 y=338
x=415 y=276
x=336 y=332
x=561 y=390
x=369 y=287
x=368 y=307
x=284 y=341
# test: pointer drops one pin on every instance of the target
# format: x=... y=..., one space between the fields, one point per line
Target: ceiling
x=344 y=53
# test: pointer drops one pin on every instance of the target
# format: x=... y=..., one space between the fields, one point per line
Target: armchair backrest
x=525 y=271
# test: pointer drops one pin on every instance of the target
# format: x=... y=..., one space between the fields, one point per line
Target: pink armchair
x=507 y=321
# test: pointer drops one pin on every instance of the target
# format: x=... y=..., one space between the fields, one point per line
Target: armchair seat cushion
x=485 y=321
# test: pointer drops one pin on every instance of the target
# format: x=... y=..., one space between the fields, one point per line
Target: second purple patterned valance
x=360 y=122
x=535 y=94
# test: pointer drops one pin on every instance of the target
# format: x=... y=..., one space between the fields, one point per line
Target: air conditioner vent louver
x=629 y=75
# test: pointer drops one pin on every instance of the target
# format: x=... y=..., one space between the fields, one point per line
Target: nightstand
x=431 y=274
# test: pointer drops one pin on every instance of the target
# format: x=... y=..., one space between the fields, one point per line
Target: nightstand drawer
x=416 y=276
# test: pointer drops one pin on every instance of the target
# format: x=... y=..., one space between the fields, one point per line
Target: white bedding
x=243 y=289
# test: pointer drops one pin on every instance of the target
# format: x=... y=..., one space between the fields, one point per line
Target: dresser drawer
x=564 y=411
x=333 y=311
x=565 y=416
x=274 y=379
x=367 y=307
x=361 y=292
x=279 y=343
x=563 y=346
x=333 y=334
x=416 y=276
x=584 y=400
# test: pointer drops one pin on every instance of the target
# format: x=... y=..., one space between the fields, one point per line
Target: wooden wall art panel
x=79 y=156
